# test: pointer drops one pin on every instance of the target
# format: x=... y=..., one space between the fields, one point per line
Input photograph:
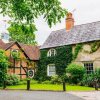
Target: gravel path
x=36 y=95
x=93 y=95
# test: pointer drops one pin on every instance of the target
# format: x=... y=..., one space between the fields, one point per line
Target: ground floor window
x=51 y=70
x=89 y=67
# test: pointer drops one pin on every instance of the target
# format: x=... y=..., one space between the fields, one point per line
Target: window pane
x=89 y=67
x=51 y=70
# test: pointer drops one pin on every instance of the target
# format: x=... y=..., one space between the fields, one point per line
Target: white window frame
x=48 y=70
x=51 y=52
x=89 y=67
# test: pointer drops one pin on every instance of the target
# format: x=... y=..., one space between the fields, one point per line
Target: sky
x=85 y=11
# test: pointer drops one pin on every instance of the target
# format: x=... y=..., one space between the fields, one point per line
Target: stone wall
x=85 y=55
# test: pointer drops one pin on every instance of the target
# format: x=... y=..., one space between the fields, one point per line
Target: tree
x=22 y=33
x=26 y=11
x=3 y=66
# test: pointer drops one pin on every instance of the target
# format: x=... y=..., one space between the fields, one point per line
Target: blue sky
x=86 y=11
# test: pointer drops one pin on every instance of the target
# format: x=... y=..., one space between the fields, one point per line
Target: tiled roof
x=2 y=44
x=32 y=52
x=78 y=34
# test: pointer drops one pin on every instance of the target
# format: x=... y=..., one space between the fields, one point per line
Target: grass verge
x=52 y=87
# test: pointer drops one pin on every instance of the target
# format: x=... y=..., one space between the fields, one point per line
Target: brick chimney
x=69 y=21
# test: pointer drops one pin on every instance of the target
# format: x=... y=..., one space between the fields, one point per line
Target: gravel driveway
x=36 y=95
x=93 y=95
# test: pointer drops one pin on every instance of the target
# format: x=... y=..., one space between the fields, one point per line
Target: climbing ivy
x=95 y=46
x=61 y=60
x=77 y=50
x=15 y=54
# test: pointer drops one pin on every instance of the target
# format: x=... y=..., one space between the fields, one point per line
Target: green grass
x=52 y=87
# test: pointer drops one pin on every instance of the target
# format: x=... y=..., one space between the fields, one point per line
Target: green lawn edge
x=51 y=87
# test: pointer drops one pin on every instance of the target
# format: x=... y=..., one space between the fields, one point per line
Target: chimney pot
x=69 y=21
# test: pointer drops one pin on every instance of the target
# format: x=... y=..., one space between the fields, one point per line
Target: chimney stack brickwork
x=69 y=21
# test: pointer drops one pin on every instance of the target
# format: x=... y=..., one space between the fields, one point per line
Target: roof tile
x=78 y=34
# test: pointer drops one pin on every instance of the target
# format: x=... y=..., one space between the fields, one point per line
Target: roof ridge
x=87 y=23
x=78 y=34
x=75 y=26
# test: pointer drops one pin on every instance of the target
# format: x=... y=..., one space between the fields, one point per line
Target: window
x=14 y=53
x=51 y=70
x=89 y=67
x=51 y=52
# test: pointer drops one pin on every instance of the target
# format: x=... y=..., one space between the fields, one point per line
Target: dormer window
x=51 y=52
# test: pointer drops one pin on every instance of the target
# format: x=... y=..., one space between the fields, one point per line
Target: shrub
x=47 y=82
x=75 y=73
x=12 y=79
x=3 y=66
x=56 y=79
x=89 y=79
x=22 y=82
x=34 y=81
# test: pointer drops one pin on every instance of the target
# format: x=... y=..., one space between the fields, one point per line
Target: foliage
x=56 y=79
x=89 y=79
x=95 y=46
x=15 y=55
x=77 y=50
x=23 y=14
x=46 y=82
x=22 y=33
x=26 y=11
x=12 y=79
x=3 y=66
x=76 y=73
x=24 y=82
x=61 y=59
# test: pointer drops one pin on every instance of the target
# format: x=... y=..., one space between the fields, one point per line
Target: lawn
x=52 y=87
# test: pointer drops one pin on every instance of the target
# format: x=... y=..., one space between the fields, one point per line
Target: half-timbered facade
x=26 y=60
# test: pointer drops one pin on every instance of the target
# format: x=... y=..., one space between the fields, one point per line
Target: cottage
x=85 y=42
x=22 y=57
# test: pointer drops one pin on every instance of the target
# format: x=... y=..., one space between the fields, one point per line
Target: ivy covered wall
x=61 y=60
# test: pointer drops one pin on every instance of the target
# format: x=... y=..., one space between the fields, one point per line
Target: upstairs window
x=51 y=52
x=89 y=67
x=14 y=53
x=51 y=70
